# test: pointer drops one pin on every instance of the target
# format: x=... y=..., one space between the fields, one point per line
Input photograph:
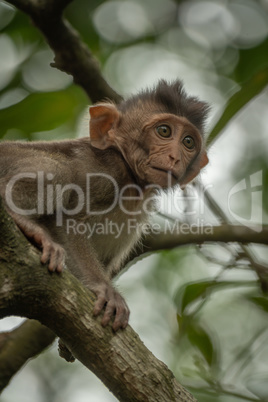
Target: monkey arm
x=52 y=252
x=24 y=189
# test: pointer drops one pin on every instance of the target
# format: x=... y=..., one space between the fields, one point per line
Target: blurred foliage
x=251 y=88
x=218 y=315
x=219 y=350
x=49 y=109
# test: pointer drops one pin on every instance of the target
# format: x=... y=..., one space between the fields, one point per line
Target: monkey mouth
x=175 y=177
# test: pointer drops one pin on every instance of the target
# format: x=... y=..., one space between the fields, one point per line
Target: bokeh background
x=199 y=309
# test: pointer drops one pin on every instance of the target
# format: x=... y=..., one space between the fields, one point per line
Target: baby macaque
x=82 y=202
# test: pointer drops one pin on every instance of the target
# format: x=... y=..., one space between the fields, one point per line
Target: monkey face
x=165 y=151
x=172 y=145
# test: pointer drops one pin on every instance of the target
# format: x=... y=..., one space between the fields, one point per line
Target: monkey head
x=159 y=134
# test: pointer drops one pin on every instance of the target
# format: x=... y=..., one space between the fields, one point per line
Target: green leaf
x=190 y=293
x=251 y=61
x=42 y=111
x=200 y=338
x=251 y=88
x=261 y=302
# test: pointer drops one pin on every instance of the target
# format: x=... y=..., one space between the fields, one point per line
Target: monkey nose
x=175 y=160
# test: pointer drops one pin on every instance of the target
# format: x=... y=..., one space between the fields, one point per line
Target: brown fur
x=126 y=154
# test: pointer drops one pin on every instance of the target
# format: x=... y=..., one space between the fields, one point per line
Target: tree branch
x=19 y=345
x=260 y=269
x=186 y=234
x=71 y=54
x=202 y=234
x=61 y=303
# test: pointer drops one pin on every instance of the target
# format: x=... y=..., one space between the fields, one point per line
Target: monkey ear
x=103 y=117
x=193 y=171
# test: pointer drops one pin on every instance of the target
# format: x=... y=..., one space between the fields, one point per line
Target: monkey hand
x=113 y=304
x=53 y=254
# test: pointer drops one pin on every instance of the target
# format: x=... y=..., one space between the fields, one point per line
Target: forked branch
x=71 y=54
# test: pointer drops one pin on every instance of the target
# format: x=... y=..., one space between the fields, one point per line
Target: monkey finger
x=54 y=254
x=61 y=265
x=45 y=255
x=52 y=266
x=60 y=259
x=110 y=311
x=119 y=324
x=121 y=318
x=56 y=258
x=99 y=304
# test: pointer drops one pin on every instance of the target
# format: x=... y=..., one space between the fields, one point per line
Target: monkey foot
x=113 y=304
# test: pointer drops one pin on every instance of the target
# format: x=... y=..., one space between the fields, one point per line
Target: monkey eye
x=189 y=142
x=164 y=131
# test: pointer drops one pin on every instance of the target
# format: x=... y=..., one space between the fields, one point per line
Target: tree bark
x=60 y=302
x=19 y=345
